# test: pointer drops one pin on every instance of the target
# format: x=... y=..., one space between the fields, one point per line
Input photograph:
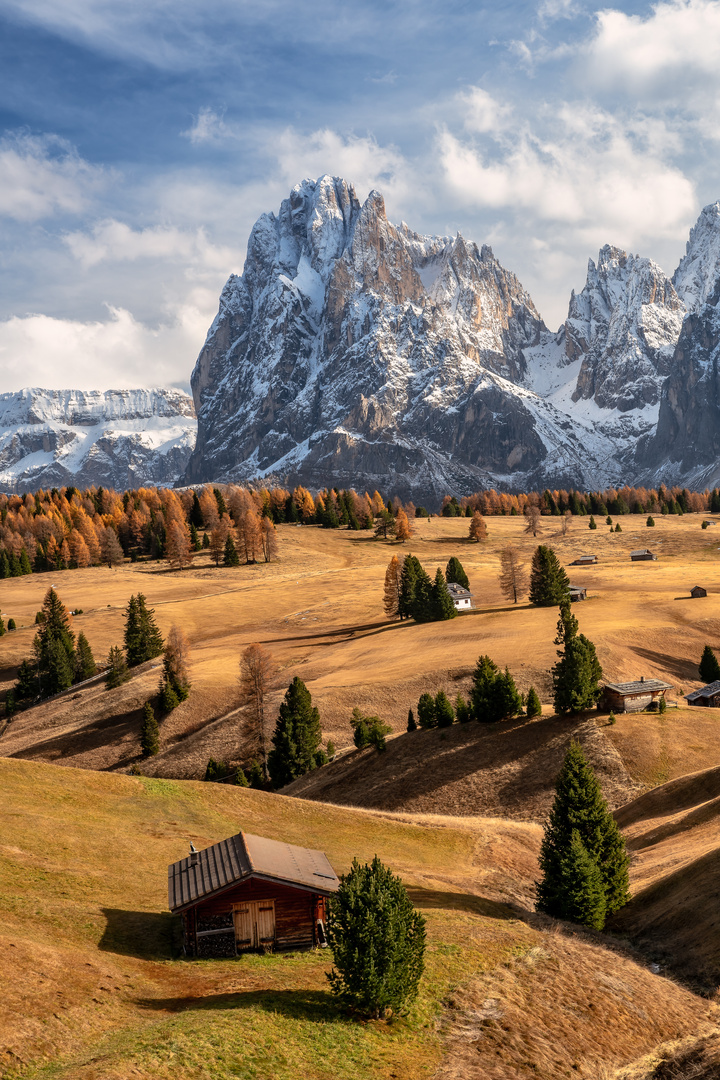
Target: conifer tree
x=393 y=585
x=194 y=537
x=442 y=602
x=2 y=627
x=575 y=676
x=149 y=735
x=85 y=666
x=403 y=529
x=427 y=717
x=411 y=725
x=112 y=552
x=579 y=807
x=175 y=681
x=533 y=706
x=25 y=566
x=709 y=669
x=117 y=668
x=143 y=640
x=482 y=691
x=478 y=528
x=583 y=892
x=444 y=712
x=256 y=676
x=455 y=572
x=650 y=521
x=54 y=647
x=377 y=941
x=297 y=736
x=230 y=555
x=513 y=574
x=548 y=581
x=462 y=709
x=592 y=524
x=408 y=581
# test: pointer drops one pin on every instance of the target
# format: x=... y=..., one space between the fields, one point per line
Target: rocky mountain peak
x=697 y=274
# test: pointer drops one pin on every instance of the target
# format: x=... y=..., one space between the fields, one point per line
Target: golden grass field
x=94 y=988
x=319 y=610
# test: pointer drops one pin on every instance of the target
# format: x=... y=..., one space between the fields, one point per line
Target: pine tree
x=482 y=691
x=393 y=584
x=408 y=582
x=575 y=676
x=368 y=731
x=444 y=712
x=455 y=572
x=25 y=566
x=194 y=537
x=580 y=807
x=583 y=892
x=650 y=522
x=462 y=710
x=2 y=627
x=117 y=668
x=297 y=736
x=592 y=524
x=230 y=555
x=427 y=717
x=377 y=941
x=533 y=706
x=442 y=602
x=175 y=680
x=143 y=640
x=85 y=666
x=54 y=647
x=149 y=735
x=416 y=592
x=709 y=669
x=411 y=725
x=548 y=581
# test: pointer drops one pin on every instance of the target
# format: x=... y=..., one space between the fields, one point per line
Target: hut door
x=255 y=924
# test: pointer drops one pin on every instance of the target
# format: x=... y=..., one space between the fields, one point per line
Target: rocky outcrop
x=699 y=269
x=116 y=438
x=360 y=352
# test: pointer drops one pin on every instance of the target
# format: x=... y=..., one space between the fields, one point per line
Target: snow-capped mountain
x=116 y=438
x=354 y=351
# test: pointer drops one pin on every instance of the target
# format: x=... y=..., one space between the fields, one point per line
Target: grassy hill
x=94 y=988
x=319 y=610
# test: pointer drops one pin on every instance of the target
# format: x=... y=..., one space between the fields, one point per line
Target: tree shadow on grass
x=683 y=670
x=317 y=1006
x=148 y=935
x=458 y=901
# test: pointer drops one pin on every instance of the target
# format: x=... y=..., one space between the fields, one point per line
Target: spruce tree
x=297 y=736
x=455 y=572
x=592 y=524
x=709 y=669
x=575 y=676
x=85 y=666
x=442 y=602
x=143 y=640
x=411 y=725
x=533 y=706
x=579 y=807
x=427 y=716
x=482 y=691
x=377 y=941
x=117 y=672
x=2 y=627
x=548 y=581
x=149 y=735
x=462 y=710
x=583 y=892
x=25 y=565
x=650 y=521
x=444 y=712
x=54 y=647
x=408 y=581
x=230 y=556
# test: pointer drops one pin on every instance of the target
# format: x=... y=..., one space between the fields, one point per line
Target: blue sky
x=140 y=141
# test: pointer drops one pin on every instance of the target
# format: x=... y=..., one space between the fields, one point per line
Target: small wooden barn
x=584 y=560
x=461 y=597
x=709 y=696
x=697 y=590
x=577 y=592
x=632 y=696
x=643 y=555
x=250 y=893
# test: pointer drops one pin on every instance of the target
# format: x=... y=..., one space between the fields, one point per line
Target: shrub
x=368 y=730
x=612 y=718
x=650 y=522
x=11 y=624
x=592 y=524
x=377 y=941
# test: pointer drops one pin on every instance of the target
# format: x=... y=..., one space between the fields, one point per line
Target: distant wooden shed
x=584 y=560
x=709 y=696
x=577 y=592
x=697 y=590
x=643 y=555
x=250 y=893
x=632 y=696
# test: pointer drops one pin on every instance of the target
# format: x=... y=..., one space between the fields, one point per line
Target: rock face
x=623 y=326
x=355 y=351
x=119 y=438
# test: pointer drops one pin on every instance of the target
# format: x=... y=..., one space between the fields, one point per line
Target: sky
x=139 y=142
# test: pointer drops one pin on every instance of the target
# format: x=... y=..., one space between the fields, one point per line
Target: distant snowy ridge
x=112 y=438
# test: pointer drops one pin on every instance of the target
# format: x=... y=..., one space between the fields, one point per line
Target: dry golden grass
x=91 y=990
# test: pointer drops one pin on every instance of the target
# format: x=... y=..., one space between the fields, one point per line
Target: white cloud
x=43 y=175
x=119 y=352
x=209 y=126
x=115 y=241
x=484 y=113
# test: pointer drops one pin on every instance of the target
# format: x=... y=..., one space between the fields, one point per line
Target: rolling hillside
x=94 y=987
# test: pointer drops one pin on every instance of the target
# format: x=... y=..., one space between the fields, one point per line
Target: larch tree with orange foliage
x=178 y=548
x=391 y=595
x=403 y=529
x=478 y=528
x=269 y=539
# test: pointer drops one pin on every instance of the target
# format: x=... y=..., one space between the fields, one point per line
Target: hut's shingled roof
x=639 y=686
x=222 y=865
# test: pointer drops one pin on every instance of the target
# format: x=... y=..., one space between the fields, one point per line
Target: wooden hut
x=709 y=696
x=632 y=696
x=584 y=560
x=250 y=893
x=697 y=590
x=577 y=592
x=643 y=555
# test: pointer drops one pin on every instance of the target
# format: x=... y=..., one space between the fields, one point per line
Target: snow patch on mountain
x=699 y=269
